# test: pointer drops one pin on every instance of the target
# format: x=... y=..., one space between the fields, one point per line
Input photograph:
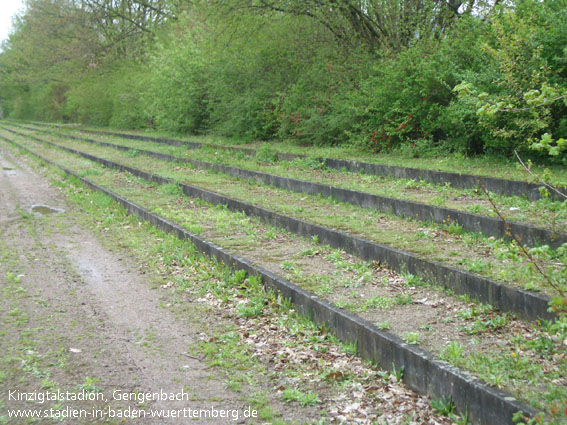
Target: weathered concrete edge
x=527 y=305
x=422 y=372
x=528 y=234
x=466 y=181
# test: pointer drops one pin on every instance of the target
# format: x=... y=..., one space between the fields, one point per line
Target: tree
x=382 y=26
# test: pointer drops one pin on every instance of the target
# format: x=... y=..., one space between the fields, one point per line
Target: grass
x=373 y=303
x=481 y=165
x=35 y=357
x=411 y=338
x=302 y=398
x=544 y=212
x=498 y=375
x=224 y=348
x=435 y=242
x=504 y=371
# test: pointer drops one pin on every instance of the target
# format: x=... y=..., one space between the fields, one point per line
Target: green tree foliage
x=382 y=26
x=47 y=47
x=525 y=104
x=179 y=80
x=424 y=77
x=61 y=48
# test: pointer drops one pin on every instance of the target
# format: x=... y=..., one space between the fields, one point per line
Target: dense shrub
x=178 y=94
x=318 y=108
x=313 y=77
x=88 y=101
x=526 y=57
x=130 y=83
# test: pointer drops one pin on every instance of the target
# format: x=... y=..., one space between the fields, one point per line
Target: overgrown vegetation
x=304 y=365
x=487 y=339
x=420 y=77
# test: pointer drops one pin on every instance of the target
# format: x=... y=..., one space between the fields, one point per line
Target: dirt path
x=77 y=316
x=126 y=310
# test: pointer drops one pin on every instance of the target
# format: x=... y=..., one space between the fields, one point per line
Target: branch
x=304 y=12
x=159 y=11
x=547 y=185
x=527 y=108
x=526 y=252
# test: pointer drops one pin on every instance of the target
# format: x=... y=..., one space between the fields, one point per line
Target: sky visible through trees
x=8 y=9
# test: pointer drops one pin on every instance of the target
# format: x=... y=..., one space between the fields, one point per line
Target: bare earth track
x=96 y=301
x=80 y=314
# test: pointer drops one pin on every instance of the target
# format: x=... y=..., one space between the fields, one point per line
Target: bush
x=253 y=72
x=129 y=97
x=178 y=86
x=262 y=74
x=319 y=108
x=88 y=100
x=526 y=57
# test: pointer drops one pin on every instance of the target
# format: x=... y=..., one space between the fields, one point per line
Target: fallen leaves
x=350 y=390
